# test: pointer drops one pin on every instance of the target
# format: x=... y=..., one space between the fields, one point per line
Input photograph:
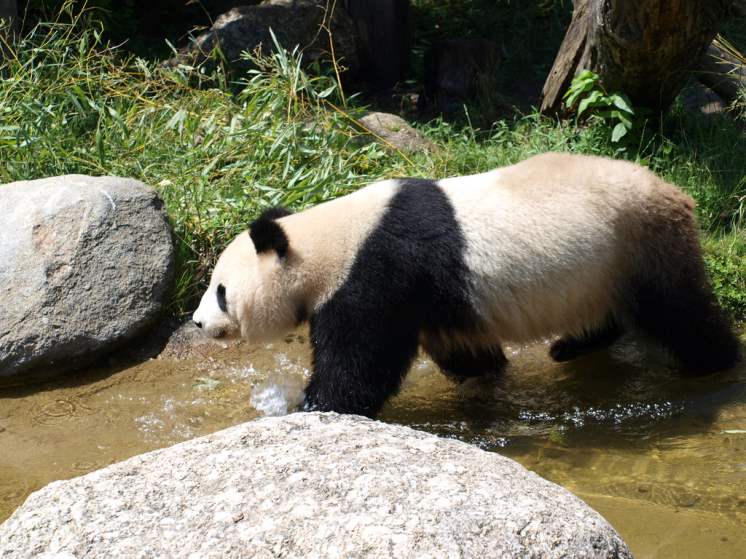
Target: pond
x=663 y=458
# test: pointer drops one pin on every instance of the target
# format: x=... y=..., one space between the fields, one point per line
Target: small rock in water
x=205 y=383
x=274 y=398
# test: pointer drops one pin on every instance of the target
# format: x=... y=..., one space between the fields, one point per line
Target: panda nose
x=199 y=324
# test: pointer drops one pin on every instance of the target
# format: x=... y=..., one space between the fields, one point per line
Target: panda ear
x=267 y=234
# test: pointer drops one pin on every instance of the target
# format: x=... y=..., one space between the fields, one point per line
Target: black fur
x=220 y=294
x=686 y=319
x=672 y=301
x=464 y=363
x=571 y=347
x=275 y=212
x=267 y=234
x=408 y=277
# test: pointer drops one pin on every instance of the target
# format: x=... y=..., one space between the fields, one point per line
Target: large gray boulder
x=85 y=263
x=310 y=485
x=295 y=23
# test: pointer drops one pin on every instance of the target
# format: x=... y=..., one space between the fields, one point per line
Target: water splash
x=277 y=398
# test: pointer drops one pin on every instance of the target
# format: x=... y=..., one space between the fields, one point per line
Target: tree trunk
x=566 y=65
x=383 y=39
x=643 y=48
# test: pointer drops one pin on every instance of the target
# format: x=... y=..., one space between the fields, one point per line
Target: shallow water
x=663 y=458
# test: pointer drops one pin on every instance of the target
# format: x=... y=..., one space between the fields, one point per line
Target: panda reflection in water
x=585 y=248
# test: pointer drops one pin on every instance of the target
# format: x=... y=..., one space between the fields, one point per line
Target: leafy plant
x=614 y=108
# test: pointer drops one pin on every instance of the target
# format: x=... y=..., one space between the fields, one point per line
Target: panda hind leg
x=461 y=363
x=571 y=347
x=688 y=322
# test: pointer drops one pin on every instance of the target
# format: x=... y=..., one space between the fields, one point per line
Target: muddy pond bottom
x=663 y=458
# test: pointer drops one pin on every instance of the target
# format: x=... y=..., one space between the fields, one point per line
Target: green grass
x=726 y=261
x=218 y=152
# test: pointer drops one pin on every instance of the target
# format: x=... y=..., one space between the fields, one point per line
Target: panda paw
x=307 y=406
x=565 y=349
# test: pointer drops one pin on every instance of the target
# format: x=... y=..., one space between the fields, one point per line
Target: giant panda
x=575 y=247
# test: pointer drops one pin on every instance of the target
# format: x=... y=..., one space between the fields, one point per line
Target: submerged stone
x=310 y=485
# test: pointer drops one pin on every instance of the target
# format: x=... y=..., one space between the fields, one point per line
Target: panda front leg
x=357 y=366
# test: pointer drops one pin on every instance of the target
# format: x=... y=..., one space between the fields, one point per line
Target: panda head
x=250 y=293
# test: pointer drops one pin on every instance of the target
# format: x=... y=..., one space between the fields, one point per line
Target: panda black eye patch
x=221 y=298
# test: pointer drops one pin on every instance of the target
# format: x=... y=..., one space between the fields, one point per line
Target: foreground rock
x=310 y=485
x=85 y=263
x=301 y=23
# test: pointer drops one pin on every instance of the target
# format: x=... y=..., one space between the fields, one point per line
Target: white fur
x=532 y=278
